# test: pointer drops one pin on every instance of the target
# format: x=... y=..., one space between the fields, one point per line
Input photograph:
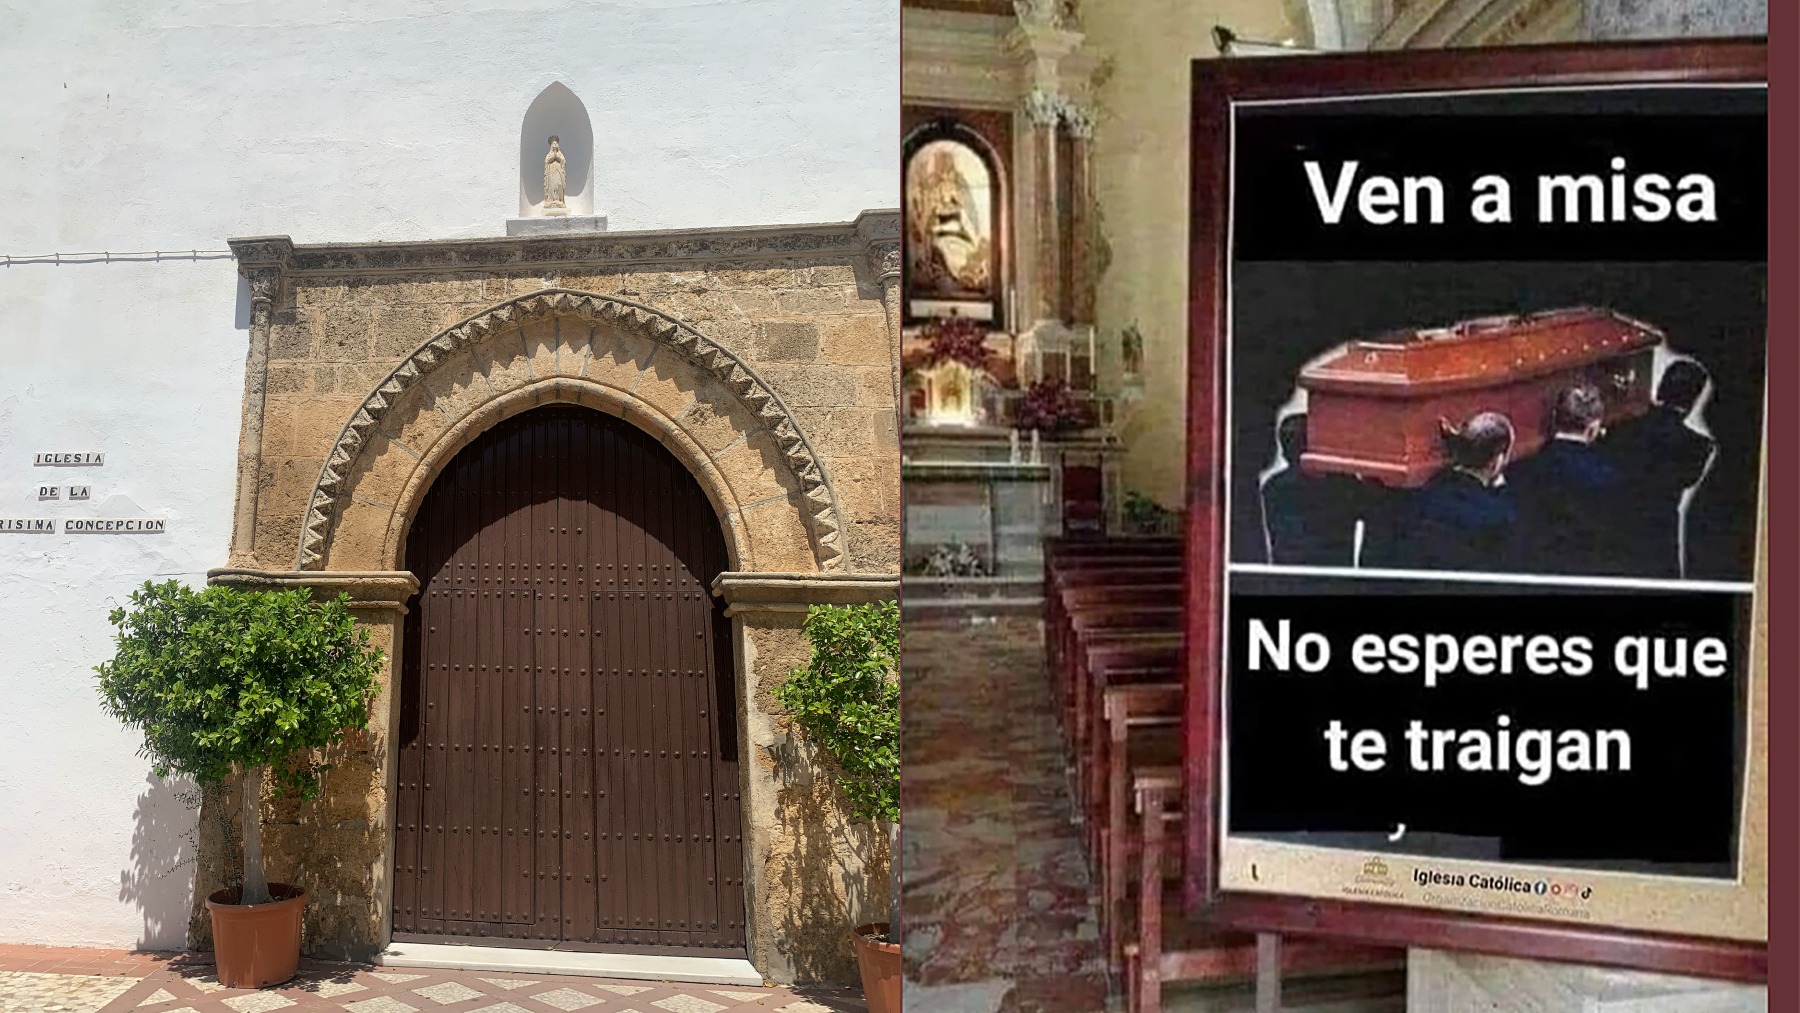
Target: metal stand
x=1268 y=973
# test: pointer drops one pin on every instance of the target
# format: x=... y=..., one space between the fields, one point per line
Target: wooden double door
x=568 y=761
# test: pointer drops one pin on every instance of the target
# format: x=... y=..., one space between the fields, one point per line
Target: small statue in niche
x=555 y=179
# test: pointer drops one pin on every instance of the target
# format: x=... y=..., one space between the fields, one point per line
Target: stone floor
x=36 y=980
x=1000 y=916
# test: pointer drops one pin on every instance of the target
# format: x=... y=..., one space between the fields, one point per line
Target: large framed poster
x=1477 y=450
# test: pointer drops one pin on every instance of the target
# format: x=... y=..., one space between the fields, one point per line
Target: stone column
x=880 y=233
x=263 y=262
x=1080 y=124
x=1043 y=114
x=1669 y=19
x=339 y=846
x=810 y=873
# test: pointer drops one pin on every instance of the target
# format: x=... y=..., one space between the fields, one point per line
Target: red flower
x=1050 y=406
x=958 y=339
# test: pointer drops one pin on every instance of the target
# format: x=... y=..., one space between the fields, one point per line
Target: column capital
x=880 y=235
x=1078 y=120
x=1043 y=107
x=264 y=262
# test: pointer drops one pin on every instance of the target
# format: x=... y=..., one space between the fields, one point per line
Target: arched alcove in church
x=556 y=112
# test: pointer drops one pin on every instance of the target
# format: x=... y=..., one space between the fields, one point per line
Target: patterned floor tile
x=32 y=992
x=447 y=992
x=380 y=1004
x=258 y=1002
x=567 y=999
x=203 y=979
x=187 y=986
x=998 y=891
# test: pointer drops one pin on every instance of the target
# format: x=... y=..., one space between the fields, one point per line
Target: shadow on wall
x=164 y=850
x=332 y=846
x=556 y=112
x=835 y=876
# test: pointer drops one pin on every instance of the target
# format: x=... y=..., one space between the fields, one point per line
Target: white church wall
x=177 y=125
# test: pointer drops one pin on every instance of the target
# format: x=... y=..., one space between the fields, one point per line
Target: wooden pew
x=1110 y=658
x=1143 y=729
x=1168 y=946
x=1092 y=578
x=1107 y=602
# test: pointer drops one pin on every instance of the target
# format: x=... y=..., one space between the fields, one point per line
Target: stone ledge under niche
x=555 y=225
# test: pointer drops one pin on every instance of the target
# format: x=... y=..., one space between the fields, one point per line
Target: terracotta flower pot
x=880 y=965
x=257 y=945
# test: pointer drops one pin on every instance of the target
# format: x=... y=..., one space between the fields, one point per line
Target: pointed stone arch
x=446 y=378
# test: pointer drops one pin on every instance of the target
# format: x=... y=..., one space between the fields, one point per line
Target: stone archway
x=372 y=365
x=700 y=399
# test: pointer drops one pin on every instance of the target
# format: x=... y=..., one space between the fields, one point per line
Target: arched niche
x=556 y=112
x=954 y=196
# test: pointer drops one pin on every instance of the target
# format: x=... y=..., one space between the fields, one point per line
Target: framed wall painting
x=1480 y=462
x=955 y=212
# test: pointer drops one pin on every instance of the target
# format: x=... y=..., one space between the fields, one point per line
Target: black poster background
x=1287 y=313
x=1297 y=290
x=1674 y=811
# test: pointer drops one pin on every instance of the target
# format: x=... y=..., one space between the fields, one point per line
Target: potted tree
x=227 y=682
x=847 y=701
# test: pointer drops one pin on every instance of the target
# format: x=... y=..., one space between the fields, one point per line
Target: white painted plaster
x=180 y=124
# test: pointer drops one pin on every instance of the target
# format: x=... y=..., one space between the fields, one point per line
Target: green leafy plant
x=1145 y=516
x=847 y=701
x=224 y=681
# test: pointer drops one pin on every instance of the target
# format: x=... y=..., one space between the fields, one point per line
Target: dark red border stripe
x=1216 y=83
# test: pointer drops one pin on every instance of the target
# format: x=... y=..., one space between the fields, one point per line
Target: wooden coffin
x=1375 y=408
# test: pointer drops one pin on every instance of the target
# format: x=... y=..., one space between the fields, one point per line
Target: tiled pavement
x=185 y=984
x=1000 y=916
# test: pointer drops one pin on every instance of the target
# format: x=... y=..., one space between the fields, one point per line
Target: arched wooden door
x=568 y=758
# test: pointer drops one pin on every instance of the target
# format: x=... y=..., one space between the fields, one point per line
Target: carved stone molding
x=795 y=593
x=331 y=492
x=264 y=262
x=880 y=235
x=386 y=589
x=837 y=242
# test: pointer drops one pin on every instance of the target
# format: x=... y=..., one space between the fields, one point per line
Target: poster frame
x=1216 y=86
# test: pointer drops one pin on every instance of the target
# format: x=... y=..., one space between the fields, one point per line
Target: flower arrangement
x=957 y=339
x=952 y=559
x=1050 y=406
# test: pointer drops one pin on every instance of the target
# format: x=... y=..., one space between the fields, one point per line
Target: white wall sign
x=28 y=525
x=67 y=460
x=114 y=525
